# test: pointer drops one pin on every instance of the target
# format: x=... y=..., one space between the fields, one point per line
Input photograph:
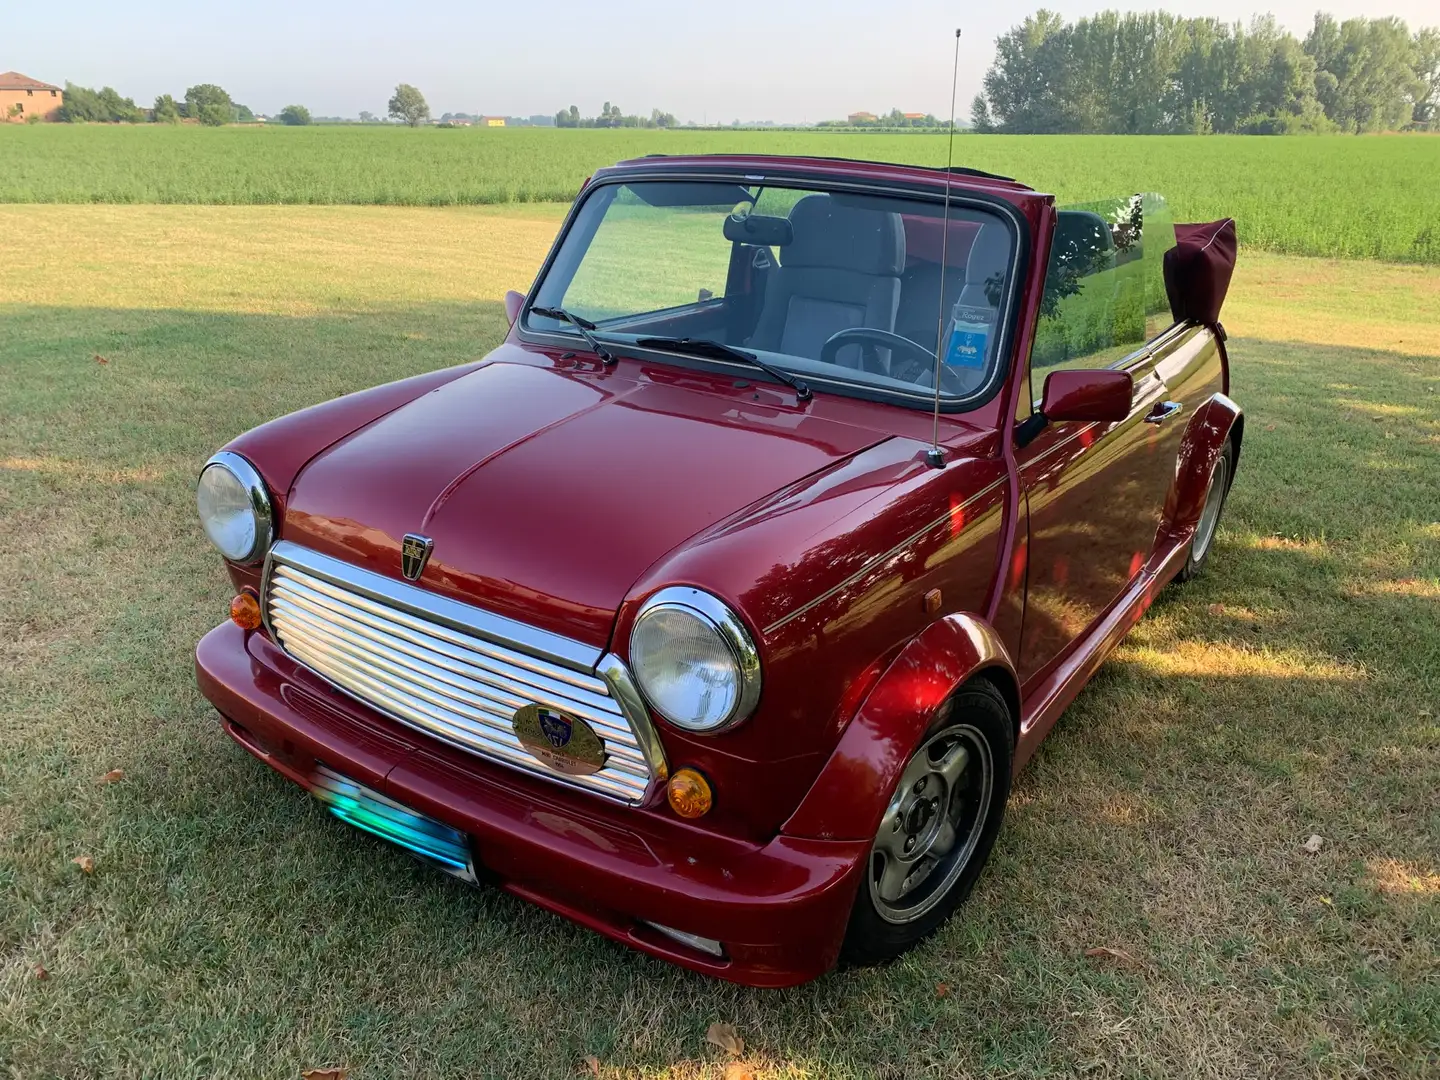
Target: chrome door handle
x=1164 y=411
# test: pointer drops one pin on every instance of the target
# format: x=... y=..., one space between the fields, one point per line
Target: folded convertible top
x=1198 y=270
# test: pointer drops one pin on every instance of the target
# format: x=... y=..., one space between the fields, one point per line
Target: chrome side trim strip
x=433 y=608
x=1057 y=446
x=878 y=559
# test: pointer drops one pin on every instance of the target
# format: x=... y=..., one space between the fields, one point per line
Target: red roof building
x=22 y=97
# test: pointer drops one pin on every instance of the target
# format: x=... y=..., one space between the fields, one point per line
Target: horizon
x=339 y=60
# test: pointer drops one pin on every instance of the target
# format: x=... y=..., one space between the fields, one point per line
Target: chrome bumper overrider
x=455 y=671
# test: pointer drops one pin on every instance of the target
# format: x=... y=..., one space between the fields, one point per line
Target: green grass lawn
x=1372 y=197
x=231 y=929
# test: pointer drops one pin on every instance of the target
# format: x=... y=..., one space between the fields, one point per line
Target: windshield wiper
x=585 y=326
x=718 y=349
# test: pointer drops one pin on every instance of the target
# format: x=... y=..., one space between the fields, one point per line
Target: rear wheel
x=1209 y=523
x=938 y=828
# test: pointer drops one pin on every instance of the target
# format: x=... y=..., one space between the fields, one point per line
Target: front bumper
x=779 y=909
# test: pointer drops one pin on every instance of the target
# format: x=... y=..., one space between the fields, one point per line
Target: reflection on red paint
x=1136 y=561
x=1017 y=567
x=1087 y=437
x=855 y=693
x=1061 y=570
x=957 y=514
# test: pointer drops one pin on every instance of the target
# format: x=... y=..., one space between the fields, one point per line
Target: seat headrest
x=763 y=230
x=926 y=239
x=833 y=236
x=989 y=260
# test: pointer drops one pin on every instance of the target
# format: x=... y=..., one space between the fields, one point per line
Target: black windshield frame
x=922 y=398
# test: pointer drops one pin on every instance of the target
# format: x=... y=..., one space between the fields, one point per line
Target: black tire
x=976 y=713
x=1203 y=542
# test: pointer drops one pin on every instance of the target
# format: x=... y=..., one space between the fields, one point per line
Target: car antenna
x=934 y=457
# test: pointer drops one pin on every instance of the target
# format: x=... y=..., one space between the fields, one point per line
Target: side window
x=1158 y=239
x=1104 y=286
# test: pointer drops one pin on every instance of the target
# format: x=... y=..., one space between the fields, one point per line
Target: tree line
x=210 y=105
x=205 y=102
x=1156 y=73
x=611 y=117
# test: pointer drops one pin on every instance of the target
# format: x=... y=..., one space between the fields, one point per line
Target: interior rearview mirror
x=1098 y=396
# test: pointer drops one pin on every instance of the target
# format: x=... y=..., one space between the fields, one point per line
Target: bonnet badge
x=414 y=554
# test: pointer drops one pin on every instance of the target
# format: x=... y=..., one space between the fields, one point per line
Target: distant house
x=914 y=115
x=22 y=97
x=858 y=118
x=493 y=121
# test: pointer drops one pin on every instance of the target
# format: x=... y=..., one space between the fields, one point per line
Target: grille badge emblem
x=565 y=743
x=414 y=554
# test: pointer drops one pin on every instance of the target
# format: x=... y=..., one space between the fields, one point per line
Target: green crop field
x=1337 y=195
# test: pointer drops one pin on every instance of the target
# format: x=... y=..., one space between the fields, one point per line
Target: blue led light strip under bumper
x=424 y=837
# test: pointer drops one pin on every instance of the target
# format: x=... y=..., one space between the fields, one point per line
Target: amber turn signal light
x=689 y=794
x=245 y=611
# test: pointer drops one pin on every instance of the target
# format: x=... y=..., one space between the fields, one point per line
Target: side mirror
x=1101 y=396
x=514 y=301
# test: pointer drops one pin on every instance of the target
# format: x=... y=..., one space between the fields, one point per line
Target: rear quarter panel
x=1194 y=370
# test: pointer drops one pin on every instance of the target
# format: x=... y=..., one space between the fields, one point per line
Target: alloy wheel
x=932 y=825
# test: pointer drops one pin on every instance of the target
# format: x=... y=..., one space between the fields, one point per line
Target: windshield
x=844 y=290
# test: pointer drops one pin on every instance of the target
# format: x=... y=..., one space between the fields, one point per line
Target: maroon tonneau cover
x=1198 y=270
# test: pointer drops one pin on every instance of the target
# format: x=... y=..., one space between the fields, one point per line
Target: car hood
x=548 y=492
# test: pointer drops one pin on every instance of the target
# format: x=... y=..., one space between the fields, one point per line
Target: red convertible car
x=716 y=608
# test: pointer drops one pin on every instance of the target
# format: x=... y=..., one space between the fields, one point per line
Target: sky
x=782 y=60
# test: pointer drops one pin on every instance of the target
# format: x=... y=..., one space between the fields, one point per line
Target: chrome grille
x=452 y=670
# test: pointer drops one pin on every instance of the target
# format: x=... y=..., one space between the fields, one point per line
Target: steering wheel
x=912 y=350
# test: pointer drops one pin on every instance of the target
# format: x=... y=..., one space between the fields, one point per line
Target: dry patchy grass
x=269 y=259
x=230 y=928
x=1360 y=305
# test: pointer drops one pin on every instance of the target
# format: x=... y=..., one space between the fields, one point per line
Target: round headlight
x=694 y=660
x=234 y=508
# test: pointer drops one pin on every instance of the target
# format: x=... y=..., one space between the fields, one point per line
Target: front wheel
x=938 y=828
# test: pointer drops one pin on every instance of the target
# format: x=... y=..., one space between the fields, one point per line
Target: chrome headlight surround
x=713 y=615
x=257 y=498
